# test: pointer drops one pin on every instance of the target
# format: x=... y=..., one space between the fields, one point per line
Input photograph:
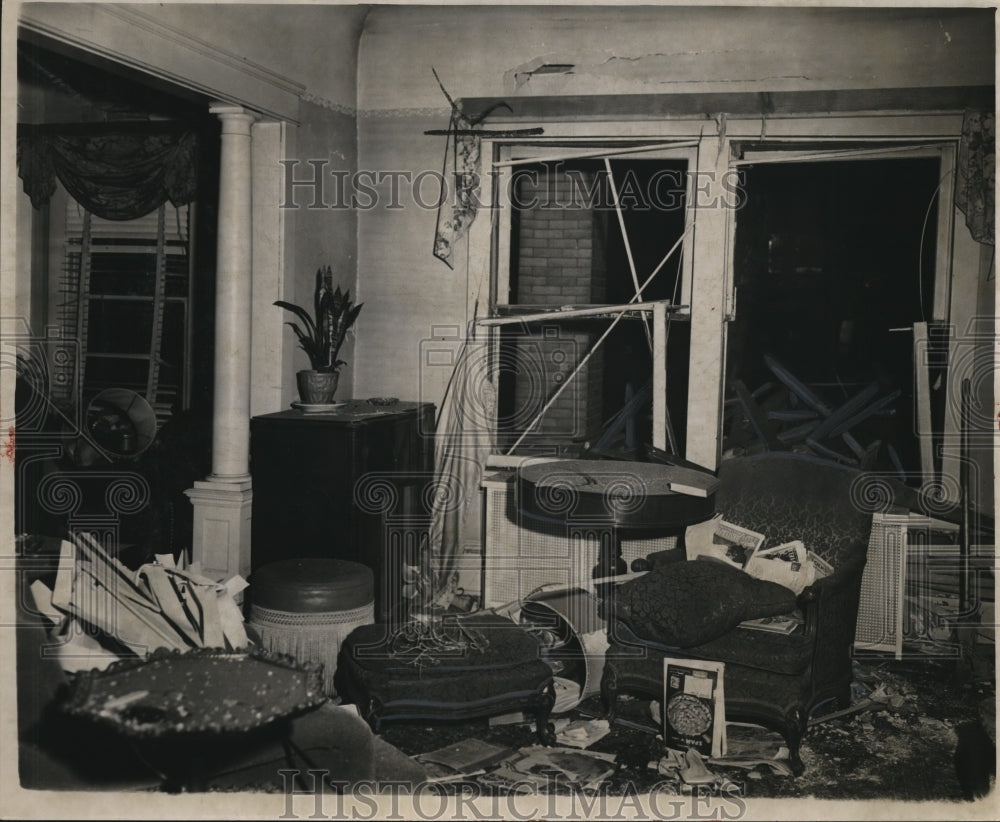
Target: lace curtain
x=114 y=174
x=976 y=174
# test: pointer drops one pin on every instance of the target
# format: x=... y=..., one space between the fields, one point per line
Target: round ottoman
x=306 y=607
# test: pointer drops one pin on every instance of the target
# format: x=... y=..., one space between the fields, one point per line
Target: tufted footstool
x=476 y=666
x=305 y=608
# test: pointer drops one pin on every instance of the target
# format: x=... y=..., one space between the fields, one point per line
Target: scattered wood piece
x=865 y=704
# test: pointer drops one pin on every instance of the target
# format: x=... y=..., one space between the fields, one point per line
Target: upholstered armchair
x=772 y=679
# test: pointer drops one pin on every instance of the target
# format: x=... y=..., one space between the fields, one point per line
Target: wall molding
x=390 y=113
x=214 y=52
x=322 y=102
x=139 y=41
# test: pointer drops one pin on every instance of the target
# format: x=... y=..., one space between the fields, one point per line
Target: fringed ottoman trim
x=310 y=637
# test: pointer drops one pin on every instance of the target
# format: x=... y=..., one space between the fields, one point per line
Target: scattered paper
x=582 y=733
x=721 y=540
x=786 y=564
x=541 y=765
x=781 y=624
x=467 y=755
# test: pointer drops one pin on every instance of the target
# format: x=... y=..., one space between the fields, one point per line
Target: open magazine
x=721 y=540
x=789 y=564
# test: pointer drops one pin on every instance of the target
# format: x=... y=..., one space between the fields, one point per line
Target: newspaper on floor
x=582 y=733
x=461 y=759
x=540 y=767
x=750 y=746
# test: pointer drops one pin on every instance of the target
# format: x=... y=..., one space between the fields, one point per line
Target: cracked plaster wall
x=490 y=51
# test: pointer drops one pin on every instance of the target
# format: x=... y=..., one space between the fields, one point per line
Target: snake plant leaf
x=318 y=291
x=301 y=313
x=322 y=337
x=306 y=343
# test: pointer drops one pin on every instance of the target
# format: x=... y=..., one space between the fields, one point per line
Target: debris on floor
x=461 y=760
x=582 y=733
x=902 y=743
x=547 y=768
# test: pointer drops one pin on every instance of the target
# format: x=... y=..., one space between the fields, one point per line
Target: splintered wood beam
x=865 y=413
x=798 y=433
x=799 y=388
x=793 y=415
x=757 y=419
x=845 y=411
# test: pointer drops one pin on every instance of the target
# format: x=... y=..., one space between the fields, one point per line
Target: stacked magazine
x=790 y=564
x=721 y=540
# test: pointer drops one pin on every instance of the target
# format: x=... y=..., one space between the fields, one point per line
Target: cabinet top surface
x=350 y=412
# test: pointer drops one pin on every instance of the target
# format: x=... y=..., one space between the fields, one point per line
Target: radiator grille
x=880 y=612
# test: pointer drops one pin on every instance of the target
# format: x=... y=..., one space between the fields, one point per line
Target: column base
x=222 y=526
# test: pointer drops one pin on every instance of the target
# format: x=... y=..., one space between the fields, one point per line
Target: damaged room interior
x=583 y=402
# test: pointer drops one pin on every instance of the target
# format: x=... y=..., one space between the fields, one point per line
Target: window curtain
x=461 y=171
x=115 y=174
x=976 y=173
x=462 y=443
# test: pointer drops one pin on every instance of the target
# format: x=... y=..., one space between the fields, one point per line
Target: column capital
x=230 y=113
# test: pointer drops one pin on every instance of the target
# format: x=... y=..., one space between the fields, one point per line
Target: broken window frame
x=708 y=286
x=508 y=155
x=512 y=154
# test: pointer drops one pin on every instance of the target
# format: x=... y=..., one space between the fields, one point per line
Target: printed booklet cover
x=694 y=714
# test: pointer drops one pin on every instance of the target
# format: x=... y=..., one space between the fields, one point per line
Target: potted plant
x=322 y=337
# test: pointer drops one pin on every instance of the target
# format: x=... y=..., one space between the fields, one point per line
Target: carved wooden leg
x=546 y=730
x=795 y=730
x=609 y=690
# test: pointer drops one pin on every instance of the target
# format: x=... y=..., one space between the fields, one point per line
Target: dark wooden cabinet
x=327 y=485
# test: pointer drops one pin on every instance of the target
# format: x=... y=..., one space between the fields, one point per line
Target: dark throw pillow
x=683 y=604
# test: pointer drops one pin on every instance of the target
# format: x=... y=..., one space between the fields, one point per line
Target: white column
x=222 y=501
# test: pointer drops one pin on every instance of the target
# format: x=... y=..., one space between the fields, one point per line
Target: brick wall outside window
x=560 y=261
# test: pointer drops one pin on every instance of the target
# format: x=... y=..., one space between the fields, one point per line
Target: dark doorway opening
x=834 y=262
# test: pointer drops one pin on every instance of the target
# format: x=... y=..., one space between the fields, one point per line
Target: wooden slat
x=921 y=372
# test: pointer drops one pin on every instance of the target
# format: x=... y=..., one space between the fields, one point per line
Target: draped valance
x=116 y=173
x=976 y=173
